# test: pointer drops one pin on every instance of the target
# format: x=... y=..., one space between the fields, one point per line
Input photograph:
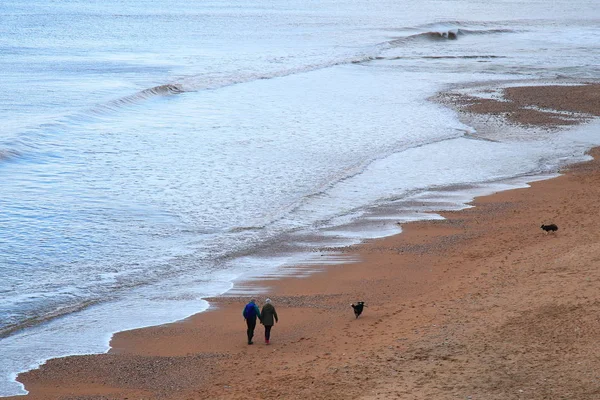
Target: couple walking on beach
x=267 y=317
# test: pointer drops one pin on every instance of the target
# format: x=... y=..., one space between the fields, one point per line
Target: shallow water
x=154 y=153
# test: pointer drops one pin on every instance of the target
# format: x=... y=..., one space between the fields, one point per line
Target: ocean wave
x=451 y=30
x=9 y=154
x=238 y=229
x=462 y=57
x=168 y=89
x=196 y=83
x=445 y=33
x=10 y=329
x=200 y=82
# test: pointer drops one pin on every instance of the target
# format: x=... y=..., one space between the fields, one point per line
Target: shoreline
x=417 y=285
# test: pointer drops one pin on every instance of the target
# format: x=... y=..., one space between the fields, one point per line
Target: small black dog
x=358 y=307
x=549 y=228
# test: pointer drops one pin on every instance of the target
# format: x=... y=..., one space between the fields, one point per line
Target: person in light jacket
x=268 y=318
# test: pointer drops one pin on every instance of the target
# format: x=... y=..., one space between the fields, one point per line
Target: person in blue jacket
x=250 y=313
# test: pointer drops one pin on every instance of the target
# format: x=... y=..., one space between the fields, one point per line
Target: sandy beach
x=480 y=305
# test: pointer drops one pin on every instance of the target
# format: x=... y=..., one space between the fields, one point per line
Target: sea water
x=154 y=153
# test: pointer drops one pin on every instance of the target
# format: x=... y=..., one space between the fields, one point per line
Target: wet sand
x=481 y=305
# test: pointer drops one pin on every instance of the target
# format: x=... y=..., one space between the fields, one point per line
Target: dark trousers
x=268 y=331
x=251 y=325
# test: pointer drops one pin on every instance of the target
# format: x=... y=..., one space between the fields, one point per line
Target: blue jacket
x=251 y=311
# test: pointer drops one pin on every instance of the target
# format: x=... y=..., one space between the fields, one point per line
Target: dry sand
x=481 y=305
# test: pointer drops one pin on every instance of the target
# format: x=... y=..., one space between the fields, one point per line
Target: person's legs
x=251 y=325
x=267 y=333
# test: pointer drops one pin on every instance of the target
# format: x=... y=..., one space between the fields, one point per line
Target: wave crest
x=446 y=34
x=8 y=154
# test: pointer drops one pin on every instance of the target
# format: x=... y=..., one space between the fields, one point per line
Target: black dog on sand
x=358 y=308
x=549 y=228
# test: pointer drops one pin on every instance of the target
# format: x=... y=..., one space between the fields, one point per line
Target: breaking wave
x=168 y=89
x=445 y=34
x=451 y=30
x=8 y=154
x=12 y=328
x=202 y=82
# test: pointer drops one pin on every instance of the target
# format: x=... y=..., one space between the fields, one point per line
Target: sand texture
x=481 y=305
